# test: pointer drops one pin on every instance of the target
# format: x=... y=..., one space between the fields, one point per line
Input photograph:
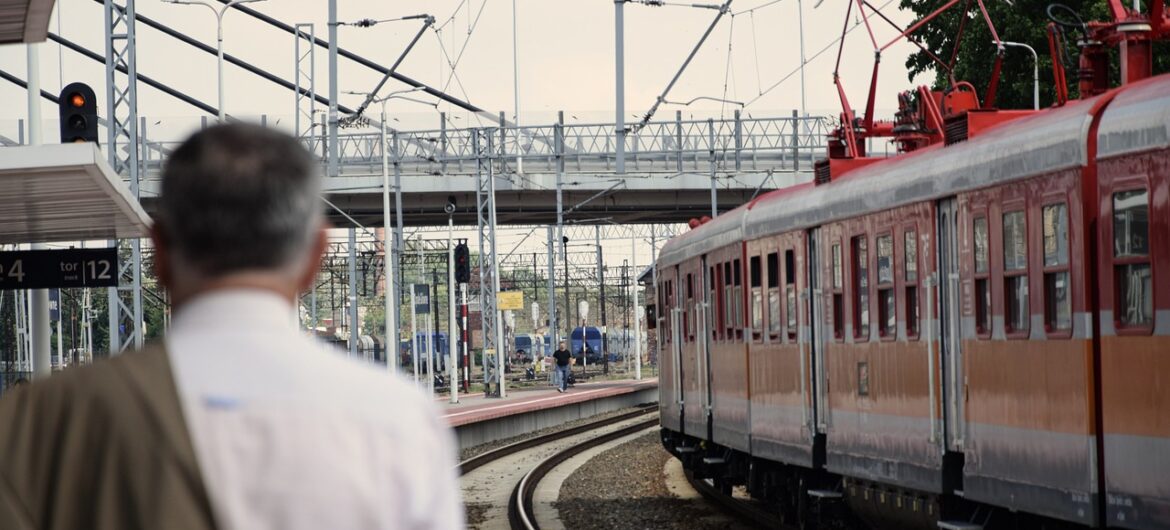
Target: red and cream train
x=975 y=332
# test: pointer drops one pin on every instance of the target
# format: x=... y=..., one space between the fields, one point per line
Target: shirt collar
x=239 y=308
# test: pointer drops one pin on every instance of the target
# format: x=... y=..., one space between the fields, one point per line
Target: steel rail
x=738 y=508
x=488 y=457
x=520 y=503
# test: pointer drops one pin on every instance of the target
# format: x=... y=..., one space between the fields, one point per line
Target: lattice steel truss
x=305 y=92
x=485 y=202
x=122 y=147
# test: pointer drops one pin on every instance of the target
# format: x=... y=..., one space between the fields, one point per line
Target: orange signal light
x=77 y=100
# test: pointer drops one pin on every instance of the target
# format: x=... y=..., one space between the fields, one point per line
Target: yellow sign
x=513 y=300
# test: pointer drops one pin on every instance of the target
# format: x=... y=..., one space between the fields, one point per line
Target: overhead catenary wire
x=723 y=10
x=728 y=68
x=809 y=60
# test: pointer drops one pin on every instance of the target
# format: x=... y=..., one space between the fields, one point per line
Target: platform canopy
x=64 y=192
x=24 y=20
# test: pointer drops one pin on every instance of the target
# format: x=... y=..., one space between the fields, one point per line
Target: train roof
x=723 y=230
x=1137 y=120
x=1049 y=141
x=1032 y=145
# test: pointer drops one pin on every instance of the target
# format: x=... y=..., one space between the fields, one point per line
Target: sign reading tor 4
x=43 y=269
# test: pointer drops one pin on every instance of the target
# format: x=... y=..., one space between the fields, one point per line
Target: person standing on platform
x=236 y=420
x=562 y=357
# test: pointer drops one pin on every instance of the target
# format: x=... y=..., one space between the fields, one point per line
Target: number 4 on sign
x=15 y=271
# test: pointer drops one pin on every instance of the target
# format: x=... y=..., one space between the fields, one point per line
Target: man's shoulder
x=357 y=378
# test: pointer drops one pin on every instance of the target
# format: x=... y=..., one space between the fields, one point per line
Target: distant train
x=529 y=346
x=438 y=338
x=586 y=339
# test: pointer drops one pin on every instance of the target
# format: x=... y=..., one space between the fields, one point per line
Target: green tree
x=1021 y=21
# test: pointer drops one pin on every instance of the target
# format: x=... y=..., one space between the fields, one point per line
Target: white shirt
x=290 y=435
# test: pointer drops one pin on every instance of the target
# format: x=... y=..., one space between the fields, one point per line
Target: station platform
x=478 y=419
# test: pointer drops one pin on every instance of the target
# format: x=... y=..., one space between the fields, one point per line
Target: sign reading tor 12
x=43 y=269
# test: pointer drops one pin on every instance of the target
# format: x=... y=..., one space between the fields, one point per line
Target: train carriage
x=928 y=323
x=1133 y=274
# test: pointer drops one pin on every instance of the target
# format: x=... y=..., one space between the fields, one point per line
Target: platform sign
x=55 y=305
x=46 y=269
x=422 y=299
x=510 y=300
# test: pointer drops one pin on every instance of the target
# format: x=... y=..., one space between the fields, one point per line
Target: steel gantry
x=489 y=279
x=122 y=146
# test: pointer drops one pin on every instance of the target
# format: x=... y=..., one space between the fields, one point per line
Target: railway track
x=488 y=457
x=520 y=501
x=738 y=508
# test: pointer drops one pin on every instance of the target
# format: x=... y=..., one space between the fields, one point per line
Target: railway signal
x=462 y=263
x=79 y=120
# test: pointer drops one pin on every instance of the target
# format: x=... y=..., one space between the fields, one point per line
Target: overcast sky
x=566 y=57
x=566 y=61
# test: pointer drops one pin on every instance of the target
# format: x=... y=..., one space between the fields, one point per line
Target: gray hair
x=239 y=197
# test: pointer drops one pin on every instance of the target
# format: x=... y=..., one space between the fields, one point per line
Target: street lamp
x=1035 y=71
x=391 y=293
x=218 y=37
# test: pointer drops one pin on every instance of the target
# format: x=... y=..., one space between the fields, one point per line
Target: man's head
x=563 y=344
x=239 y=206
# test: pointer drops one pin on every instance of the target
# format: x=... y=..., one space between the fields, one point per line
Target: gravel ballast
x=625 y=487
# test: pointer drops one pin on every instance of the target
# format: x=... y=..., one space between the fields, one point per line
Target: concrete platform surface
x=473 y=408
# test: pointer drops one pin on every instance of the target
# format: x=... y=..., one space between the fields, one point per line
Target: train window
x=910 y=256
x=982 y=281
x=757 y=299
x=838 y=299
x=1015 y=265
x=860 y=289
x=712 y=302
x=790 y=292
x=774 y=295
x=1134 y=306
x=738 y=301
x=689 y=311
x=669 y=310
x=887 y=308
x=837 y=276
x=1057 y=291
x=728 y=304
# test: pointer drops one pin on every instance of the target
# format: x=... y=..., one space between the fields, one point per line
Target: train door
x=703 y=338
x=949 y=325
x=816 y=338
x=676 y=337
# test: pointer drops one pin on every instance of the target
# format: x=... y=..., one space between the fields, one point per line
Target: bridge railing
x=752 y=144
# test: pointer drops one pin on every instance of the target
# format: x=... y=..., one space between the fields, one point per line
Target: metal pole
x=800 y=18
x=552 y=293
x=219 y=57
x=559 y=145
x=601 y=300
x=430 y=331
x=414 y=345
x=637 y=325
x=452 y=364
x=711 y=143
x=333 y=150
x=516 y=90
x=41 y=334
x=352 y=298
x=502 y=381
x=466 y=332
x=398 y=248
x=388 y=291
x=1035 y=72
x=620 y=84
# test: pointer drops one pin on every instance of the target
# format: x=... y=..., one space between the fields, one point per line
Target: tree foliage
x=1021 y=21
